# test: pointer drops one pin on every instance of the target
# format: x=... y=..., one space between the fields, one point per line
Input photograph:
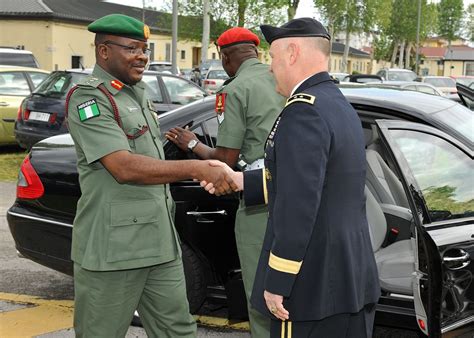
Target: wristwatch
x=192 y=144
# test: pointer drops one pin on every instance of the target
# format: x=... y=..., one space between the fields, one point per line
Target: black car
x=420 y=207
x=41 y=114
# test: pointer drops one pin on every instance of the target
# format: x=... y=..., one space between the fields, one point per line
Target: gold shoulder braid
x=306 y=98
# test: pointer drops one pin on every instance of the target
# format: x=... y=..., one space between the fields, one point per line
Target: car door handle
x=9 y=120
x=206 y=213
x=4 y=104
x=457 y=259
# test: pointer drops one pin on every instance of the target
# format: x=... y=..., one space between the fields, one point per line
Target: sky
x=305 y=8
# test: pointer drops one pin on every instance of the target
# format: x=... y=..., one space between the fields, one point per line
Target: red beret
x=235 y=36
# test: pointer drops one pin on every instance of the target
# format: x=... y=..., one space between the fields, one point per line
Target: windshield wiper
x=39 y=94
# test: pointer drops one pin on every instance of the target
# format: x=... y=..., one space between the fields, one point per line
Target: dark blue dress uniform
x=317 y=251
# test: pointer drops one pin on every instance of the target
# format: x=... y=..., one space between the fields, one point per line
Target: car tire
x=196 y=285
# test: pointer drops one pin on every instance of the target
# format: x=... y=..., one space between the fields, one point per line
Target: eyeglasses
x=131 y=50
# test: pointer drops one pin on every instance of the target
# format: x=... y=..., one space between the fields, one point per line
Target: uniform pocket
x=133 y=230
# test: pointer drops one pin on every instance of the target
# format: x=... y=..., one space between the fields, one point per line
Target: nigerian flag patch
x=88 y=110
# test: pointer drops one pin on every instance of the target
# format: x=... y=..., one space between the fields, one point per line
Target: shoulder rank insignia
x=88 y=110
x=116 y=84
x=306 y=98
x=220 y=106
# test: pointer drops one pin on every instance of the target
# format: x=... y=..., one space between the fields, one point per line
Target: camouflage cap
x=120 y=25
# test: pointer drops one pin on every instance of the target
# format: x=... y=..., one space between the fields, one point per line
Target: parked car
x=419 y=207
x=15 y=84
x=163 y=66
x=412 y=85
x=17 y=57
x=362 y=78
x=338 y=76
x=42 y=113
x=444 y=83
x=204 y=66
x=214 y=79
x=396 y=74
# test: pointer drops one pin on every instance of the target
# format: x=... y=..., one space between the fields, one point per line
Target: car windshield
x=459 y=118
x=160 y=67
x=441 y=81
x=18 y=59
x=465 y=81
x=59 y=83
x=217 y=74
x=394 y=75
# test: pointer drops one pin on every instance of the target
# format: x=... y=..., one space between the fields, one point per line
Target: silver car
x=214 y=80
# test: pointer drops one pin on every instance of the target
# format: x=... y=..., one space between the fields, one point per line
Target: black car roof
x=410 y=102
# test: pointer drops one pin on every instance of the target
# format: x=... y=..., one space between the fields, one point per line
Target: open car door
x=466 y=94
x=437 y=173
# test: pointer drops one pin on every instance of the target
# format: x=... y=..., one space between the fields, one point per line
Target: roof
x=338 y=48
x=83 y=11
x=460 y=53
x=436 y=52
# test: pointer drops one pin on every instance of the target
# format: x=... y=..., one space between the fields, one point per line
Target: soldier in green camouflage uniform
x=247 y=106
x=125 y=247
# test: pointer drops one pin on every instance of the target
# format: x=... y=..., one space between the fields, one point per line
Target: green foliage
x=382 y=47
x=469 y=23
x=450 y=13
x=442 y=198
x=10 y=164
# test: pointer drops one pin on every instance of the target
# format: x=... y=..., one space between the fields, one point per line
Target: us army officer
x=316 y=275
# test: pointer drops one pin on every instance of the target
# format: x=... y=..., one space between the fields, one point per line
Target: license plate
x=37 y=116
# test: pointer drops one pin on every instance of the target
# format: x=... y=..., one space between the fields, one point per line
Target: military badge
x=116 y=84
x=88 y=110
x=146 y=31
x=220 y=106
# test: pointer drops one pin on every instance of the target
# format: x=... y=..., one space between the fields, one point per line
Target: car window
x=426 y=89
x=152 y=88
x=441 y=82
x=401 y=76
x=18 y=59
x=59 y=83
x=37 y=78
x=443 y=172
x=217 y=74
x=459 y=118
x=212 y=127
x=181 y=91
x=13 y=83
x=172 y=152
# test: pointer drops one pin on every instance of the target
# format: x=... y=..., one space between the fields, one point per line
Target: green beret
x=120 y=25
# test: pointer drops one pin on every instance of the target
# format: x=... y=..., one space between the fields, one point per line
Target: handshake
x=219 y=179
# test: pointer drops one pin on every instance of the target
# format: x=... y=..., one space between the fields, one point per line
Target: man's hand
x=180 y=137
x=220 y=175
x=237 y=177
x=275 y=305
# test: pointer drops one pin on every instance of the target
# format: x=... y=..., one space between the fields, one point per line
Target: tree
x=470 y=22
x=449 y=20
x=450 y=14
x=403 y=27
x=351 y=16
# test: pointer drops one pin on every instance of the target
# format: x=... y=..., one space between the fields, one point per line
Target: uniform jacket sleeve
x=302 y=146
x=255 y=187
x=97 y=136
